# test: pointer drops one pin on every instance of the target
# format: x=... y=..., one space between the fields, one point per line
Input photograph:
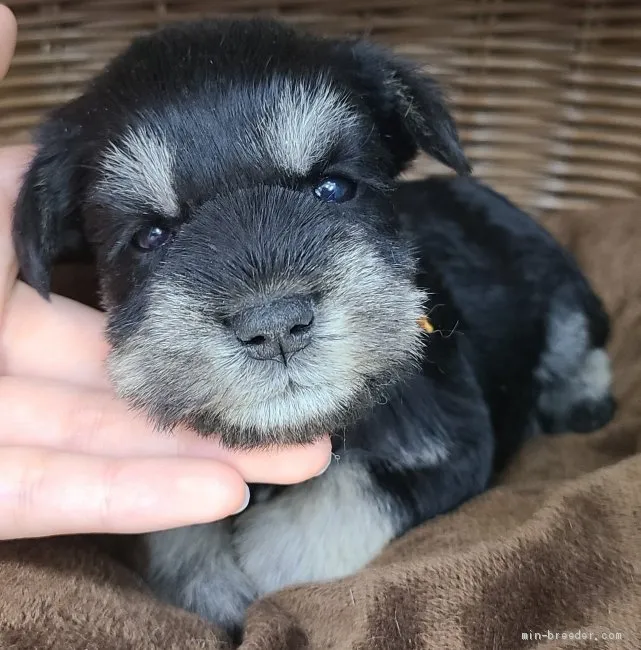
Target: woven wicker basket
x=547 y=92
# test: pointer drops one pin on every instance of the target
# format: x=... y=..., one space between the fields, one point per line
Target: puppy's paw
x=194 y=568
x=585 y=416
x=219 y=592
x=220 y=597
x=591 y=415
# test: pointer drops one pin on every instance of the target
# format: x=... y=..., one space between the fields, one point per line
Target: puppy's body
x=263 y=280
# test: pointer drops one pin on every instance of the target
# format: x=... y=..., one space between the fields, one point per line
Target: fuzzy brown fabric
x=555 y=548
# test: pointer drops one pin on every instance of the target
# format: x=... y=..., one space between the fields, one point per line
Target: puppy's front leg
x=325 y=528
x=194 y=568
x=333 y=525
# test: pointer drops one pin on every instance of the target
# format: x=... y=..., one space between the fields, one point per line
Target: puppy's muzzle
x=275 y=330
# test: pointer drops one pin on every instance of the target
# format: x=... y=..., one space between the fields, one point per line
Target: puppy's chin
x=295 y=417
x=258 y=436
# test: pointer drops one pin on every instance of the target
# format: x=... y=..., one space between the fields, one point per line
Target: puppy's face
x=233 y=179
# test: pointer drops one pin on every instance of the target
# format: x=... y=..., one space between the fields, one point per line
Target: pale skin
x=74 y=458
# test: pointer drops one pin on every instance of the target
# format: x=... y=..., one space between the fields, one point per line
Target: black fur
x=502 y=275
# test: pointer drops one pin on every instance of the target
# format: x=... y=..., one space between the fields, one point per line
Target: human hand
x=73 y=458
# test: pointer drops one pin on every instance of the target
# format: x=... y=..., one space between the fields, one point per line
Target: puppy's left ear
x=46 y=215
x=408 y=106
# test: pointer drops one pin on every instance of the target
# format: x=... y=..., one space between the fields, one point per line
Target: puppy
x=263 y=273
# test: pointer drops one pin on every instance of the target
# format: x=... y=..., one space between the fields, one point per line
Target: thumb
x=8 y=33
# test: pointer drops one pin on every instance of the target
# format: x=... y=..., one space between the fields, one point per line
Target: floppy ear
x=46 y=216
x=409 y=108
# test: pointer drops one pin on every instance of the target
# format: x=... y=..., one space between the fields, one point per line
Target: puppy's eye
x=151 y=238
x=335 y=189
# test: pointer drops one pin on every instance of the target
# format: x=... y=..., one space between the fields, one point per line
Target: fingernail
x=329 y=462
x=245 y=502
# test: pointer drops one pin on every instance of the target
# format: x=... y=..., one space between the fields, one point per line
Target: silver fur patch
x=304 y=123
x=594 y=379
x=194 y=568
x=321 y=530
x=570 y=372
x=431 y=452
x=138 y=170
x=566 y=345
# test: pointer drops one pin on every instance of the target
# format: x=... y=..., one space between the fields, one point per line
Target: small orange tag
x=425 y=324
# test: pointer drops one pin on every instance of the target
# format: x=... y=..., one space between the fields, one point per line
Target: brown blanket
x=554 y=550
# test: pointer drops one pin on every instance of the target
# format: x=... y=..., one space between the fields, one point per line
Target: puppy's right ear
x=408 y=106
x=47 y=209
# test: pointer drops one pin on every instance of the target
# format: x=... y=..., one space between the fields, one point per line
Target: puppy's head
x=233 y=179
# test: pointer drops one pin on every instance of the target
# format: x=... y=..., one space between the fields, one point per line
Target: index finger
x=13 y=164
x=41 y=413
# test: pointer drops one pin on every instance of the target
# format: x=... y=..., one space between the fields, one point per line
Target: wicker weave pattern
x=547 y=93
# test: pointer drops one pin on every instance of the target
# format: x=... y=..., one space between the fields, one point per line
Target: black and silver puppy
x=263 y=275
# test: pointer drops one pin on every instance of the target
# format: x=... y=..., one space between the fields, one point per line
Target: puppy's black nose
x=276 y=329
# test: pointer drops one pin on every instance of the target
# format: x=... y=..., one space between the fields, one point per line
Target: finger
x=13 y=164
x=53 y=493
x=57 y=339
x=8 y=262
x=48 y=414
x=8 y=32
x=13 y=161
